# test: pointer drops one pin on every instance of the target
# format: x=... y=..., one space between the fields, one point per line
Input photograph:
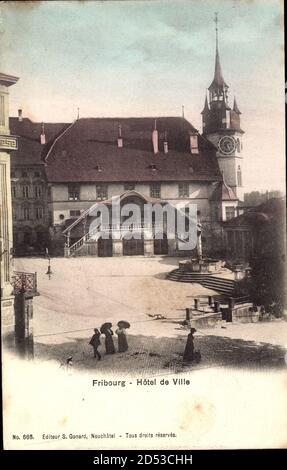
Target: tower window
x=238 y=145
x=239 y=176
x=183 y=190
x=13 y=189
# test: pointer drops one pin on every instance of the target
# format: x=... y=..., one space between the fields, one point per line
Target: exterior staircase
x=219 y=284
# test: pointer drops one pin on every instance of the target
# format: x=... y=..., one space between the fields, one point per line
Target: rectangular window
x=183 y=190
x=74 y=192
x=37 y=174
x=39 y=212
x=38 y=191
x=239 y=177
x=75 y=213
x=102 y=191
x=25 y=192
x=24 y=174
x=13 y=189
x=229 y=213
x=26 y=213
x=13 y=174
x=155 y=190
x=129 y=186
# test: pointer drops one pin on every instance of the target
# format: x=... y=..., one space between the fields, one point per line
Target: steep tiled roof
x=30 y=151
x=223 y=192
x=218 y=80
x=88 y=151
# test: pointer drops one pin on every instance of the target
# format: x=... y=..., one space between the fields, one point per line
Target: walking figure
x=95 y=342
x=122 y=338
x=106 y=329
x=188 y=354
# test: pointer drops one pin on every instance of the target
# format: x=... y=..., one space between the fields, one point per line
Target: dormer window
x=98 y=168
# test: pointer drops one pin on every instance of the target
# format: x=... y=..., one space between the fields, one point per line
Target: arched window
x=238 y=145
x=239 y=176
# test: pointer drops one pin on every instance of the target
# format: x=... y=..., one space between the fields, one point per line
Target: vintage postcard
x=142 y=171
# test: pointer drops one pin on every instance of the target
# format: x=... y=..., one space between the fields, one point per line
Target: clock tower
x=221 y=125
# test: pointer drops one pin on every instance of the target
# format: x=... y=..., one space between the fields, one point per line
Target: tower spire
x=218 y=85
x=216 y=29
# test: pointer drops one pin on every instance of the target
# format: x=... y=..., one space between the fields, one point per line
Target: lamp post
x=49 y=271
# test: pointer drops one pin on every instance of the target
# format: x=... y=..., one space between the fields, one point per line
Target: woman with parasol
x=188 y=354
x=121 y=332
x=109 y=344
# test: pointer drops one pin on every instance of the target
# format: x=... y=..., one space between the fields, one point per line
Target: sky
x=148 y=58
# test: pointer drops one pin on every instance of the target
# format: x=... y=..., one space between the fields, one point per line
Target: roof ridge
x=58 y=138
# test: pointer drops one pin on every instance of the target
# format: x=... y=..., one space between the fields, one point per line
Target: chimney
x=20 y=116
x=155 y=138
x=193 y=136
x=120 y=139
x=165 y=143
x=43 y=136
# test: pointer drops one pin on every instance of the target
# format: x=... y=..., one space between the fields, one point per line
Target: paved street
x=85 y=292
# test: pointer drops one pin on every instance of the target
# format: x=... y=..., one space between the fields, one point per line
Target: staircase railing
x=109 y=228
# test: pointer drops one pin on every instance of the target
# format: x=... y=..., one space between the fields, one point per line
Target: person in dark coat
x=109 y=343
x=95 y=342
x=188 y=354
x=122 y=339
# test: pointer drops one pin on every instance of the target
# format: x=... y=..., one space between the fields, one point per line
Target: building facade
x=7 y=143
x=31 y=219
x=69 y=169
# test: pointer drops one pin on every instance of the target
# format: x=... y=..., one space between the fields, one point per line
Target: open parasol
x=123 y=324
x=105 y=326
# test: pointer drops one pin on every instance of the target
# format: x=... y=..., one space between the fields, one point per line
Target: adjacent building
x=31 y=219
x=8 y=143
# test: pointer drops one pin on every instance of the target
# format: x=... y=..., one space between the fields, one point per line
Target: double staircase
x=216 y=283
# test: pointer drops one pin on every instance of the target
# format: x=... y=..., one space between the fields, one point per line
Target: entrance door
x=133 y=247
x=105 y=247
x=161 y=245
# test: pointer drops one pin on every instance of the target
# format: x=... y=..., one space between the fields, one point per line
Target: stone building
x=7 y=143
x=29 y=187
x=66 y=170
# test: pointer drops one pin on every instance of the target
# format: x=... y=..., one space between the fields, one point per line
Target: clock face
x=226 y=144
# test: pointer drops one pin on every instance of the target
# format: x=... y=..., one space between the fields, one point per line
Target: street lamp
x=49 y=272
